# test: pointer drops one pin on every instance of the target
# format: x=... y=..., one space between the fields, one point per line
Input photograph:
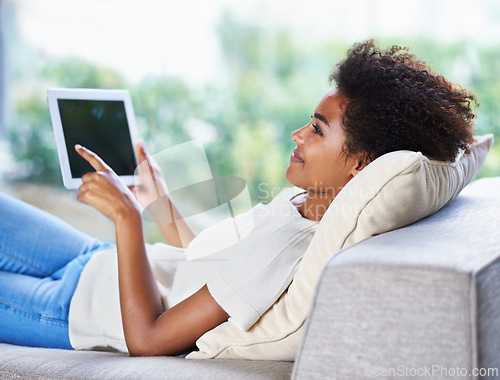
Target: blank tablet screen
x=102 y=127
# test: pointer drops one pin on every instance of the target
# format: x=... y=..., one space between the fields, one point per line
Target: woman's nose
x=297 y=135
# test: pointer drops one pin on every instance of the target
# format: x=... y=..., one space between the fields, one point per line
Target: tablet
x=100 y=120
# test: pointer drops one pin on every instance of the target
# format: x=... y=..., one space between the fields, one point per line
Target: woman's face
x=317 y=163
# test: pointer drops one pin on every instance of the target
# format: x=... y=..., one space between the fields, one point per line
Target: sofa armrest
x=422 y=300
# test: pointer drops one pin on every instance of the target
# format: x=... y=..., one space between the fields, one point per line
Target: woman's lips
x=295 y=157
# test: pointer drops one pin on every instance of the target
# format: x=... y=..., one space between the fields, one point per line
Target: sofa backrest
x=422 y=298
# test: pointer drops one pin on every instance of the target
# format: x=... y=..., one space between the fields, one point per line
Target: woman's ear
x=361 y=161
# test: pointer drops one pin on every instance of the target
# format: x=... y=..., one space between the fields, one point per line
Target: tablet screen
x=101 y=126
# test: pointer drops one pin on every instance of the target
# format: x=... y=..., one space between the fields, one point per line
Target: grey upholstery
x=37 y=363
x=425 y=296
x=422 y=296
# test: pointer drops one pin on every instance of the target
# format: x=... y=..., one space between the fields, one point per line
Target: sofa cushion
x=44 y=364
x=394 y=190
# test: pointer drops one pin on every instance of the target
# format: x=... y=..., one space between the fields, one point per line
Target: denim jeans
x=41 y=259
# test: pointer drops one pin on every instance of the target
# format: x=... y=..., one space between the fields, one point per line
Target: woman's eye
x=316 y=129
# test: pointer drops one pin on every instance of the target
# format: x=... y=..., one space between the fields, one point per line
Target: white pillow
x=393 y=191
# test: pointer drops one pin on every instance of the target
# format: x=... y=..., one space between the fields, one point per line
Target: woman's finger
x=82 y=196
x=92 y=176
x=93 y=159
x=143 y=158
x=145 y=161
x=141 y=151
x=143 y=155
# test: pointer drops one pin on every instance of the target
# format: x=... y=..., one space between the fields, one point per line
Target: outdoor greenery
x=274 y=81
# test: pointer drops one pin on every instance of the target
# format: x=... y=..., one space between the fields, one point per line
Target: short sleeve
x=262 y=265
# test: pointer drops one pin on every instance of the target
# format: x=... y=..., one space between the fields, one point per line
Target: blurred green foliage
x=274 y=81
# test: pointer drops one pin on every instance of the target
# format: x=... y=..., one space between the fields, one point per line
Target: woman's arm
x=153 y=193
x=148 y=330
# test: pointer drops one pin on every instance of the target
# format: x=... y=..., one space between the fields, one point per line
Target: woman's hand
x=152 y=194
x=153 y=184
x=104 y=190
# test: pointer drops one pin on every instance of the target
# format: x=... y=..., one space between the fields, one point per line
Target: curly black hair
x=395 y=102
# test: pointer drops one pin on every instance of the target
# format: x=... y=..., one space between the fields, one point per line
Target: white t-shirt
x=245 y=278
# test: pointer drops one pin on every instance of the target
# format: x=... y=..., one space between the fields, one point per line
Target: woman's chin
x=288 y=175
x=291 y=178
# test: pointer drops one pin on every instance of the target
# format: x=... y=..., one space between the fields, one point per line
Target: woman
x=384 y=101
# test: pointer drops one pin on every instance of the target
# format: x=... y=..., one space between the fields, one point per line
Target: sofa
x=419 y=301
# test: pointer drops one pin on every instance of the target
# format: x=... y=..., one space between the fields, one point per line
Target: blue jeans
x=41 y=259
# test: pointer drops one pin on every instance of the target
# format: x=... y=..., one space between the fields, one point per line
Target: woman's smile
x=296 y=157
